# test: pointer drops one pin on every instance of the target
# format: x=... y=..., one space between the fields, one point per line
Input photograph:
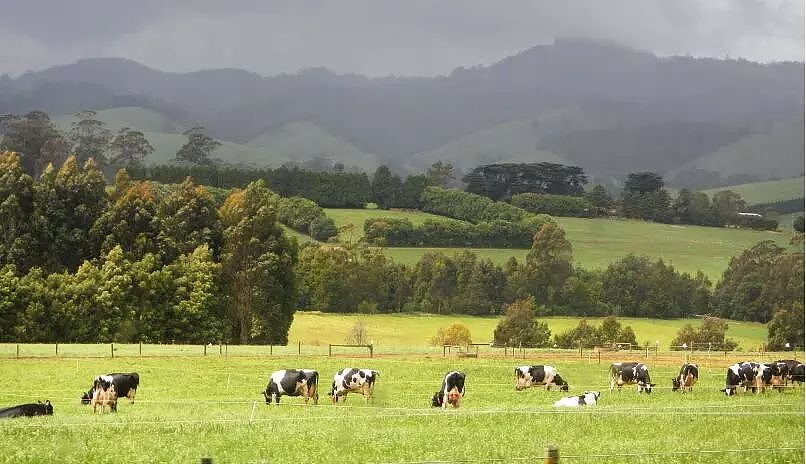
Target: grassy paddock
x=213 y=407
x=599 y=242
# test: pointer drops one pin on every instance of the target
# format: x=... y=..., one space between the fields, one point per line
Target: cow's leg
x=306 y=392
x=131 y=394
x=612 y=384
x=276 y=398
x=315 y=395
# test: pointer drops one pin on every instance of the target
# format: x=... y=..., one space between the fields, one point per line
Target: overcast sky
x=380 y=37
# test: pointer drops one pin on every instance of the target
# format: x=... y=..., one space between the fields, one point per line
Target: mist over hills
x=609 y=109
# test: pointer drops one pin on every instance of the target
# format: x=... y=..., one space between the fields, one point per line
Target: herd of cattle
x=107 y=389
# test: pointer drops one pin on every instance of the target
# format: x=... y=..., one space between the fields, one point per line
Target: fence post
x=552 y=455
x=600 y=356
x=141 y=348
x=370 y=350
x=647 y=352
x=205 y=350
x=329 y=349
x=226 y=349
x=299 y=347
x=18 y=350
x=220 y=348
x=57 y=348
x=271 y=349
x=206 y=461
x=112 y=349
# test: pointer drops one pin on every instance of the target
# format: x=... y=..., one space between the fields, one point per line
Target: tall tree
x=258 y=266
x=787 y=328
x=645 y=198
x=440 y=174
x=599 y=197
x=27 y=135
x=131 y=222
x=518 y=326
x=198 y=148
x=386 y=188
x=90 y=138
x=188 y=219
x=129 y=148
x=725 y=205
x=18 y=244
x=548 y=262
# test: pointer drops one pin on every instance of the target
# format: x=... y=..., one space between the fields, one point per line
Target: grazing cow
x=686 y=379
x=125 y=386
x=532 y=376
x=292 y=382
x=768 y=374
x=27 y=410
x=797 y=374
x=588 y=399
x=452 y=391
x=104 y=394
x=787 y=366
x=740 y=375
x=628 y=373
x=353 y=380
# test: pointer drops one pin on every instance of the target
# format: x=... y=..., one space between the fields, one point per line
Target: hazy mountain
x=607 y=108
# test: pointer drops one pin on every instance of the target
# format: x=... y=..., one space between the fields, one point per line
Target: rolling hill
x=765 y=192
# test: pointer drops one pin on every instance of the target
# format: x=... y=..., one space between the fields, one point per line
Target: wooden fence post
x=552 y=455
x=57 y=348
x=112 y=349
x=141 y=348
x=329 y=349
x=18 y=350
x=271 y=349
x=299 y=347
x=600 y=356
x=205 y=349
x=371 y=349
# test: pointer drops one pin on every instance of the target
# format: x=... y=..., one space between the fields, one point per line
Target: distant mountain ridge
x=654 y=113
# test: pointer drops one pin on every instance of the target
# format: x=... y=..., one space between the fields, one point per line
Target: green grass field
x=415 y=330
x=598 y=242
x=764 y=192
x=186 y=409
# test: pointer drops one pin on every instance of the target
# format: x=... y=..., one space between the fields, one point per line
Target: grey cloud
x=382 y=37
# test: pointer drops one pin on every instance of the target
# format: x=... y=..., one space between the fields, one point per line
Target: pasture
x=212 y=406
x=599 y=242
x=763 y=192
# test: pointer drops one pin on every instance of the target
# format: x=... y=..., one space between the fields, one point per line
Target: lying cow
x=686 y=379
x=588 y=399
x=27 y=410
x=104 y=394
x=740 y=375
x=351 y=380
x=125 y=386
x=532 y=376
x=452 y=391
x=630 y=373
x=292 y=382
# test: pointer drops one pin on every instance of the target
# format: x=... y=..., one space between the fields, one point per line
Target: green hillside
x=774 y=154
x=512 y=142
x=299 y=141
x=137 y=118
x=764 y=192
x=411 y=330
x=598 y=242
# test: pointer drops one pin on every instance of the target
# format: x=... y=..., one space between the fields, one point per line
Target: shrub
x=454 y=334
x=468 y=206
x=323 y=228
x=555 y=205
x=358 y=334
x=519 y=327
x=712 y=332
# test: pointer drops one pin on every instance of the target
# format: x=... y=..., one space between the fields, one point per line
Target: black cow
x=452 y=391
x=768 y=374
x=530 y=376
x=628 y=373
x=27 y=410
x=787 y=366
x=740 y=375
x=685 y=380
x=125 y=386
x=293 y=382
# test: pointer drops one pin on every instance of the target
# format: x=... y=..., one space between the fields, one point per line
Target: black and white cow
x=628 y=373
x=797 y=373
x=740 y=375
x=451 y=392
x=27 y=410
x=768 y=374
x=685 y=380
x=292 y=382
x=352 y=380
x=533 y=376
x=126 y=385
x=590 y=398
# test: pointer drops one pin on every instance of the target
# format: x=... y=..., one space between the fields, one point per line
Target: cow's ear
x=651 y=384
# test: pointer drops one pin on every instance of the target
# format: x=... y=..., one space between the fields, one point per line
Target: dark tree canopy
x=198 y=148
x=502 y=181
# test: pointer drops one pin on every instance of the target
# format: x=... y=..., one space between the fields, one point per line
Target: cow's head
x=675 y=384
x=86 y=397
x=645 y=387
x=561 y=383
x=436 y=400
x=729 y=391
x=267 y=396
x=523 y=380
x=47 y=408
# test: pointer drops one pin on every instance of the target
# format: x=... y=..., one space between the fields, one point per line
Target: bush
x=555 y=205
x=609 y=333
x=305 y=216
x=468 y=206
x=323 y=229
x=454 y=334
x=711 y=333
x=358 y=334
x=519 y=327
